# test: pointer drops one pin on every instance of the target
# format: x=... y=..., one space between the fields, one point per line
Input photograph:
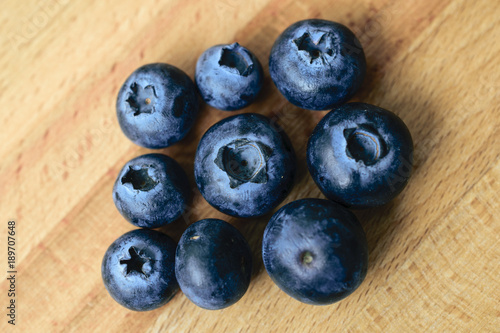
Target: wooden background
x=434 y=251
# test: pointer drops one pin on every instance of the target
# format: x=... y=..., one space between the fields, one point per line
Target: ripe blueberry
x=157 y=105
x=317 y=64
x=138 y=270
x=213 y=264
x=244 y=165
x=229 y=77
x=151 y=190
x=315 y=250
x=360 y=155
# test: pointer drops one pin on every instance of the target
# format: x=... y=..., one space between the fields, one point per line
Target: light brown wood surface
x=434 y=251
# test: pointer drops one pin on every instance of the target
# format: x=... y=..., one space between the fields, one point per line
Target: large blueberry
x=315 y=250
x=138 y=270
x=229 y=77
x=213 y=264
x=157 y=105
x=244 y=165
x=151 y=190
x=360 y=155
x=317 y=64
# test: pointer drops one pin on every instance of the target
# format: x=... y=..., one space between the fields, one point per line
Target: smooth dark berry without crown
x=315 y=250
x=213 y=264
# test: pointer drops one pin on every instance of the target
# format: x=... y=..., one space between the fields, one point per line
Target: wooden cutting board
x=434 y=251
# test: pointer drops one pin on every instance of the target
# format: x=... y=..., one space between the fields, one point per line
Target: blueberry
x=245 y=165
x=360 y=155
x=315 y=250
x=138 y=270
x=151 y=190
x=229 y=77
x=157 y=105
x=317 y=64
x=213 y=264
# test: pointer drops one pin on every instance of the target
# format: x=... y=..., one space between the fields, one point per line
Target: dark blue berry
x=229 y=77
x=151 y=190
x=213 y=264
x=245 y=165
x=360 y=155
x=317 y=64
x=138 y=270
x=315 y=250
x=157 y=105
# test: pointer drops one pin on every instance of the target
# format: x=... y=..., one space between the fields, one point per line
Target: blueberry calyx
x=136 y=263
x=317 y=46
x=364 y=144
x=140 y=179
x=142 y=100
x=236 y=59
x=244 y=161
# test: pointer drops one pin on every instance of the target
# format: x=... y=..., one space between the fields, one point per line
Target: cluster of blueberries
x=315 y=250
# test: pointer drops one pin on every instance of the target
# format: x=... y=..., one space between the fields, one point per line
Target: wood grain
x=434 y=251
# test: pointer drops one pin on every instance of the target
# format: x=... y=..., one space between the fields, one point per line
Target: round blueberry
x=229 y=77
x=151 y=190
x=138 y=270
x=360 y=155
x=157 y=105
x=315 y=250
x=317 y=64
x=213 y=264
x=245 y=165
